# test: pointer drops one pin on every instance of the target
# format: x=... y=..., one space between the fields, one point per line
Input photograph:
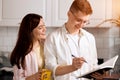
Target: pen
x=83 y=60
x=73 y=55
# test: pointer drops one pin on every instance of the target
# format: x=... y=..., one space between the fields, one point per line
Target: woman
x=27 y=57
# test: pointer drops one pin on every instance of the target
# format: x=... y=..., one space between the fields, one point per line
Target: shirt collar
x=80 y=31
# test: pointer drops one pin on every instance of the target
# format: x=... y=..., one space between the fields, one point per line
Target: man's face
x=78 y=20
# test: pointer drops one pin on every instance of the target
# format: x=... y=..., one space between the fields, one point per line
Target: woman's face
x=40 y=31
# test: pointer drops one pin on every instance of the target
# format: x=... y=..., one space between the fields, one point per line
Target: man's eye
x=79 y=20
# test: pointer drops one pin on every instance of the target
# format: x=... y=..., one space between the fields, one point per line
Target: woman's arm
x=19 y=74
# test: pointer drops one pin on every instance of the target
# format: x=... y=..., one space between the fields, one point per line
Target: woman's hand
x=36 y=76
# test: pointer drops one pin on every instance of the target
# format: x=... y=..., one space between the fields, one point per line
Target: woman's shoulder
x=31 y=54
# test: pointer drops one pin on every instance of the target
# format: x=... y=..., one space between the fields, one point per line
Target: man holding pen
x=69 y=48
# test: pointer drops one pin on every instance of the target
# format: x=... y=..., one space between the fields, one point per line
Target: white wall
x=107 y=39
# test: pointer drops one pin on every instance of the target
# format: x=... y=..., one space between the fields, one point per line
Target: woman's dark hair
x=24 y=42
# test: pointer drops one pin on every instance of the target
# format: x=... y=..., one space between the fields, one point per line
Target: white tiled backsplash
x=107 y=39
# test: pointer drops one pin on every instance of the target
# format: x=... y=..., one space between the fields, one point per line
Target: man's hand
x=78 y=62
x=99 y=76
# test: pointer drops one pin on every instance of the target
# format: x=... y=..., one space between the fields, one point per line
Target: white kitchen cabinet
x=54 y=12
x=102 y=9
x=12 y=11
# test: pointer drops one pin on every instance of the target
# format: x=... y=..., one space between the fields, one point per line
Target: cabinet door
x=59 y=11
x=12 y=11
x=101 y=11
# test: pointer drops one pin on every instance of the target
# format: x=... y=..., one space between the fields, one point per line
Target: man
x=70 y=50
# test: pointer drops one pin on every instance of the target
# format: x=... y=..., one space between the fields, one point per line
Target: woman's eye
x=40 y=28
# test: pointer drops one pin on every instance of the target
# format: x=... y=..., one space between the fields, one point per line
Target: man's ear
x=68 y=13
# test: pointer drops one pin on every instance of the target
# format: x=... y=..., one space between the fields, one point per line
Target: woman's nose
x=44 y=28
